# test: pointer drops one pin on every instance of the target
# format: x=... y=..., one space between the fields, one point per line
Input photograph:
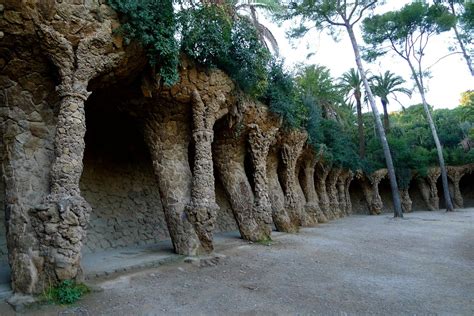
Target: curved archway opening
x=439 y=187
x=385 y=192
x=359 y=204
x=226 y=221
x=418 y=204
x=467 y=189
x=118 y=178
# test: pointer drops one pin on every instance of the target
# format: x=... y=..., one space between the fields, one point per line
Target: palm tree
x=316 y=81
x=264 y=33
x=351 y=84
x=385 y=85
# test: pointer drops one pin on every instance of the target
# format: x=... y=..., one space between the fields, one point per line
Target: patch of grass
x=65 y=293
x=266 y=241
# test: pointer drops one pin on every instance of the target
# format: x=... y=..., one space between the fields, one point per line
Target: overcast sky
x=450 y=77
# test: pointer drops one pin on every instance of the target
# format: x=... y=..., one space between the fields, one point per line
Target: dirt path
x=357 y=265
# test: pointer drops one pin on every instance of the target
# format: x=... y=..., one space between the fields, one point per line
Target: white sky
x=450 y=77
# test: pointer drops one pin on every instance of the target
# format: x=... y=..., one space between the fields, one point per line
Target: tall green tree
x=351 y=83
x=463 y=29
x=334 y=15
x=384 y=85
x=407 y=32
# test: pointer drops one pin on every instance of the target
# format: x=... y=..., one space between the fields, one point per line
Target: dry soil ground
x=421 y=265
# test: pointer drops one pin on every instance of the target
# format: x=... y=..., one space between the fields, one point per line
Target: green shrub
x=152 y=23
x=66 y=293
x=206 y=34
x=281 y=97
x=213 y=39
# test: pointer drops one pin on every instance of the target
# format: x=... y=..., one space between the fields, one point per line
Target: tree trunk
x=386 y=122
x=360 y=126
x=439 y=149
x=383 y=139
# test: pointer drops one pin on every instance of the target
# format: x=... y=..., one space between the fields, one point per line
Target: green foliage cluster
x=282 y=97
x=153 y=24
x=412 y=145
x=404 y=28
x=214 y=39
x=326 y=116
x=213 y=35
x=66 y=293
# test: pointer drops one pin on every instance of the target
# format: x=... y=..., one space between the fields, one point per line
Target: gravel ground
x=421 y=265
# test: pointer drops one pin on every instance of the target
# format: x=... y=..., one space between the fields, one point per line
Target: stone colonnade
x=427 y=186
x=194 y=130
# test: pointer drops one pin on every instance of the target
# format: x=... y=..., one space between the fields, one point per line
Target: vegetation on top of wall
x=212 y=35
x=153 y=24
x=214 y=39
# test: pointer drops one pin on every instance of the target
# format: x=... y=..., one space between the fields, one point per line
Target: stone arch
x=320 y=176
x=466 y=185
x=292 y=147
x=249 y=168
x=385 y=192
x=118 y=178
x=441 y=197
x=280 y=216
x=358 y=200
x=307 y=219
x=418 y=202
x=229 y=151
x=332 y=191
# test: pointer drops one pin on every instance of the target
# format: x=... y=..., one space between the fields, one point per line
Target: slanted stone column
x=260 y=142
x=432 y=178
x=376 y=205
x=301 y=198
x=406 y=200
x=203 y=208
x=290 y=152
x=314 y=214
x=341 y=191
x=424 y=189
x=367 y=190
x=281 y=219
x=455 y=174
x=322 y=172
x=347 y=192
x=229 y=155
x=60 y=222
x=331 y=184
x=370 y=187
x=167 y=134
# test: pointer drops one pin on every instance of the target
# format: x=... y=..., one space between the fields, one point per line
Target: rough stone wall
x=126 y=205
x=3 y=237
x=225 y=218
